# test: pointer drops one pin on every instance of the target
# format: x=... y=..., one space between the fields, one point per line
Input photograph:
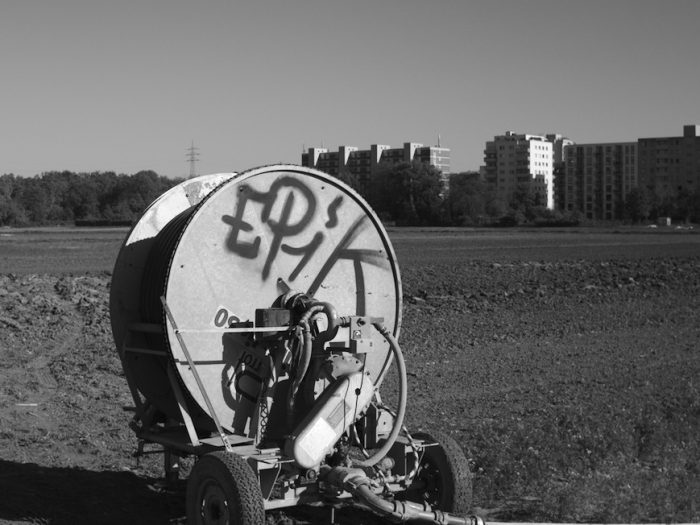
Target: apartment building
x=670 y=164
x=364 y=163
x=598 y=177
x=559 y=149
x=512 y=160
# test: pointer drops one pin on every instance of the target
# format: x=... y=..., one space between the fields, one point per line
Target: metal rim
x=214 y=504
x=223 y=489
x=443 y=479
x=430 y=481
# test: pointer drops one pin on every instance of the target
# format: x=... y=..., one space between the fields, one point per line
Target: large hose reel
x=250 y=240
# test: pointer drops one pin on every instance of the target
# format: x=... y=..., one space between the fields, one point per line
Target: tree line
x=644 y=204
x=406 y=194
x=63 y=197
x=416 y=194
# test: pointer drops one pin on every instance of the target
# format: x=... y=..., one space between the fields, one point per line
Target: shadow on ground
x=60 y=495
x=30 y=493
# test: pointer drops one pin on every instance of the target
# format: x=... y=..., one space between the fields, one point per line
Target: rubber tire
x=443 y=479
x=223 y=489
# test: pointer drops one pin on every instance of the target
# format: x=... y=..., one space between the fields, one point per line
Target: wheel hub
x=214 y=508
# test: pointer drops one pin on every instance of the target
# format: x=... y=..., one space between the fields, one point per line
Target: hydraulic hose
x=408 y=510
x=304 y=328
x=307 y=339
x=403 y=394
x=359 y=485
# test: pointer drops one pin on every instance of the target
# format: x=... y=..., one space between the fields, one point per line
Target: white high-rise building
x=365 y=163
x=512 y=161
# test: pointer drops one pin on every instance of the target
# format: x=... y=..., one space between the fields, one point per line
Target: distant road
x=59 y=250
x=428 y=246
x=80 y=250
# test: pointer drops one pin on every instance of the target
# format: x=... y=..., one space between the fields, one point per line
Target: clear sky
x=107 y=85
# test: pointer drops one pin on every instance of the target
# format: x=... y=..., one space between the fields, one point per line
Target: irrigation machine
x=256 y=316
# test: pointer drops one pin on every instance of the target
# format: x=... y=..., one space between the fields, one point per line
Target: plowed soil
x=572 y=383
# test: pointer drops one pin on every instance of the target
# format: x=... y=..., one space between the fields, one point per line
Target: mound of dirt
x=571 y=385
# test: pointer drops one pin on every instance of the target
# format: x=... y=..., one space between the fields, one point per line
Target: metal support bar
x=148 y=351
x=193 y=368
x=244 y=330
x=138 y=403
x=126 y=347
x=148 y=328
x=189 y=425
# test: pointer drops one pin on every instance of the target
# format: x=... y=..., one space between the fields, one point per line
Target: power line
x=192 y=157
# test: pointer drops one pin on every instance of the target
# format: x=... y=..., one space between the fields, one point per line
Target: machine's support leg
x=171 y=464
x=180 y=398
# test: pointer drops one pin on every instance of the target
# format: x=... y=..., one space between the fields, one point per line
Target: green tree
x=12 y=212
x=352 y=180
x=684 y=204
x=34 y=197
x=467 y=198
x=57 y=185
x=525 y=204
x=694 y=206
x=637 y=205
x=63 y=196
x=408 y=193
x=495 y=207
x=127 y=196
x=82 y=197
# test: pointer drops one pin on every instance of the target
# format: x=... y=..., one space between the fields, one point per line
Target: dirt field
x=565 y=364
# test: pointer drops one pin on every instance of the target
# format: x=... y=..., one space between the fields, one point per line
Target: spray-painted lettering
x=332 y=221
x=357 y=256
x=284 y=194
x=282 y=227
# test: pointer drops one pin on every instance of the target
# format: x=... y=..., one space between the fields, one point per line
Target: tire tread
x=458 y=498
x=241 y=480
